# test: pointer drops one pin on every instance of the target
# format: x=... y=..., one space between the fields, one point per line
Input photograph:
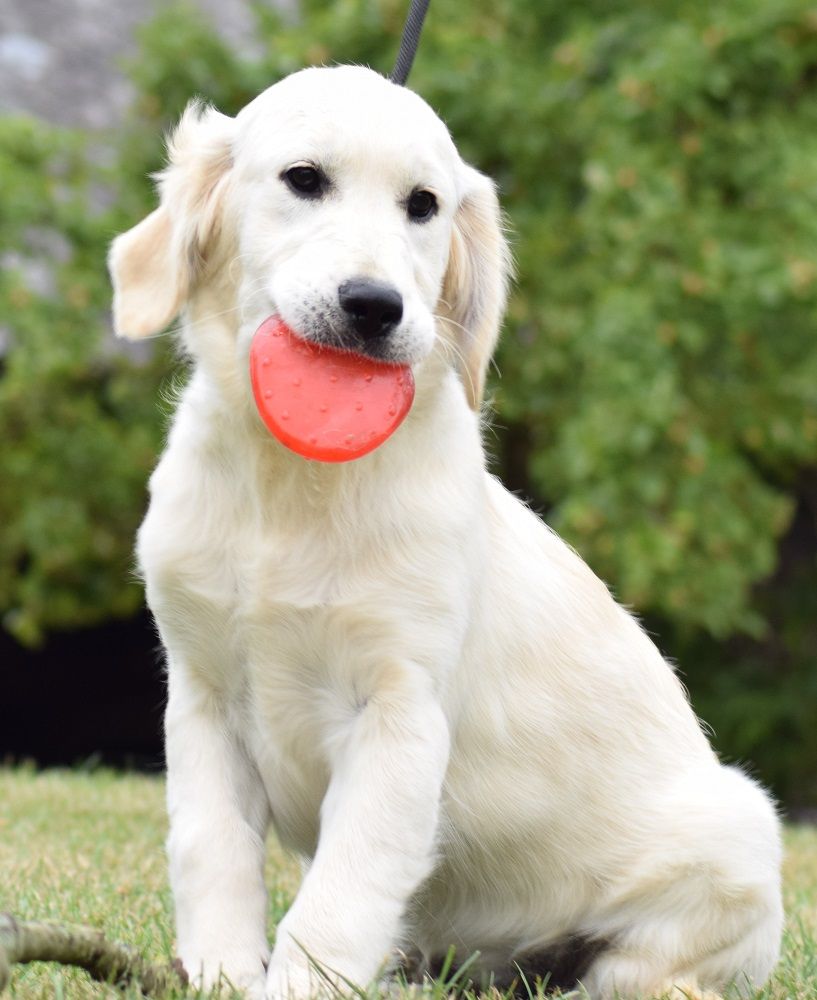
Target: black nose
x=374 y=307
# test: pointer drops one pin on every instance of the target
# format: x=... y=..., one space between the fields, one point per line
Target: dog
x=431 y=698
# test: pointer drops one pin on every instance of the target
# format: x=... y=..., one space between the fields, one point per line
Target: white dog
x=434 y=701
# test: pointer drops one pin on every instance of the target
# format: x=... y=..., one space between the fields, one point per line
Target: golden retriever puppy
x=430 y=697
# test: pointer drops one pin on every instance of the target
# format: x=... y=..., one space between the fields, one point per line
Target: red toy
x=323 y=403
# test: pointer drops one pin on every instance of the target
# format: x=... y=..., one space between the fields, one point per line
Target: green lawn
x=87 y=848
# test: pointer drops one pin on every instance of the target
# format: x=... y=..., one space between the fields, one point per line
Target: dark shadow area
x=91 y=696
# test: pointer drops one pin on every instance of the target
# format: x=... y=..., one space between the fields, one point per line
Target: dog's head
x=337 y=200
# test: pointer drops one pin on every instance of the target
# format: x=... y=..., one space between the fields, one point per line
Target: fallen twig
x=106 y=961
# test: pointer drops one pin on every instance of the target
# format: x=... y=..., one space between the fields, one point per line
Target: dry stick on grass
x=107 y=961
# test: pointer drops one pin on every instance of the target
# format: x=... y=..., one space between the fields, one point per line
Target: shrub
x=658 y=397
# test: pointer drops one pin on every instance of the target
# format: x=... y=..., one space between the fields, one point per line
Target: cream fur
x=427 y=693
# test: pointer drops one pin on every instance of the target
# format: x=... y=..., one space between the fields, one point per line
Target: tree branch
x=106 y=961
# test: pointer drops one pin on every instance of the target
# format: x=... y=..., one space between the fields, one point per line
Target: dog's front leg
x=378 y=825
x=218 y=817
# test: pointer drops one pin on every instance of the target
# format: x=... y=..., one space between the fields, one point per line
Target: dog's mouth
x=320 y=324
x=391 y=349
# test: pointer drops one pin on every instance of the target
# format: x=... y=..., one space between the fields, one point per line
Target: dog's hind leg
x=702 y=910
x=656 y=960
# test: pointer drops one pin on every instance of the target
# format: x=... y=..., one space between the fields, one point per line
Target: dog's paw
x=294 y=981
x=254 y=990
x=293 y=974
x=230 y=978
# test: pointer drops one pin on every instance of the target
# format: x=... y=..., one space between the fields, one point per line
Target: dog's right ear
x=476 y=280
x=155 y=265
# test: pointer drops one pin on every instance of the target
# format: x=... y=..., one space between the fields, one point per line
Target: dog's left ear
x=155 y=265
x=476 y=281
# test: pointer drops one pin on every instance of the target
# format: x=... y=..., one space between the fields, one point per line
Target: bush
x=658 y=397
x=77 y=422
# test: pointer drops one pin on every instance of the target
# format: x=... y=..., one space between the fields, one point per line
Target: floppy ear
x=155 y=265
x=476 y=281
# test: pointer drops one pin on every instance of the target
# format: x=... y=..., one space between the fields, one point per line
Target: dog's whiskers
x=467 y=332
x=456 y=355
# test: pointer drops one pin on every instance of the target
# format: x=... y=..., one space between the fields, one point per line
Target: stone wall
x=61 y=59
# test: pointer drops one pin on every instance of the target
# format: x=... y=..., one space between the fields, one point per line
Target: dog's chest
x=313 y=625
x=322 y=621
x=289 y=605
x=313 y=649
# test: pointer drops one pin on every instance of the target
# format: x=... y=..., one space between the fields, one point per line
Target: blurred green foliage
x=658 y=400
x=77 y=422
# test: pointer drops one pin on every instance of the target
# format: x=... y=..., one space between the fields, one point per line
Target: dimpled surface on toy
x=323 y=403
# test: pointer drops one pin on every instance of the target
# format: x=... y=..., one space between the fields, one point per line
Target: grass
x=88 y=848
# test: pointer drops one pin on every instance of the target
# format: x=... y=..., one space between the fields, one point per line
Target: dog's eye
x=422 y=205
x=305 y=180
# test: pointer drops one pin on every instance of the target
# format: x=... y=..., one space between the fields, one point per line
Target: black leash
x=409 y=41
